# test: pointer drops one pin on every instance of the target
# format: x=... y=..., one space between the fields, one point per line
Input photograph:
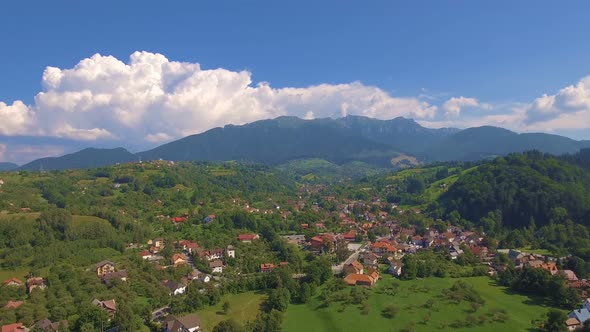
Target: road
x=337 y=269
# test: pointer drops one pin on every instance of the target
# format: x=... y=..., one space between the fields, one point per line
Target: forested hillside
x=526 y=188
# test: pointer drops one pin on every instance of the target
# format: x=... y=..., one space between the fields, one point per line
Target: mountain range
x=342 y=140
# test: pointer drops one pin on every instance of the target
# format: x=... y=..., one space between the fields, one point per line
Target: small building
x=13 y=304
x=353 y=268
x=146 y=255
x=174 y=288
x=35 y=283
x=267 y=267
x=188 y=323
x=247 y=238
x=117 y=275
x=572 y=324
x=230 y=251
x=369 y=258
x=216 y=266
x=569 y=275
x=581 y=314
x=359 y=280
x=16 y=327
x=13 y=282
x=179 y=259
x=110 y=306
x=46 y=325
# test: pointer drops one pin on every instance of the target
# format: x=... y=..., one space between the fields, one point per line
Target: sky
x=141 y=73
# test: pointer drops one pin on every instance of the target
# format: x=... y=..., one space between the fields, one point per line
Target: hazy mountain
x=487 y=142
x=339 y=141
x=86 y=158
x=7 y=166
x=277 y=141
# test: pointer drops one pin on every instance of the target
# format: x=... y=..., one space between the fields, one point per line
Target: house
x=373 y=273
x=382 y=247
x=179 y=259
x=369 y=258
x=188 y=246
x=550 y=267
x=350 y=236
x=353 y=268
x=569 y=275
x=16 y=327
x=230 y=251
x=146 y=254
x=572 y=324
x=216 y=266
x=247 y=238
x=13 y=304
x=35 y=283
x=267 y=267
x=395 y=268
x=188 y=323
x=13 y=282
x=104 y=267
x=118 y=275
x=46 y=325
x=158 y=243
x=586 y=304
x=324 y=242
x=174 y=288
x=359 y=279
x=110 y=306
x=581 y=314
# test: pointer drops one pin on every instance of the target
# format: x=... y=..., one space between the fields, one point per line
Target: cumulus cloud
x=569 y=108
x=15 y=119
x=455 y=105
x=154 y=99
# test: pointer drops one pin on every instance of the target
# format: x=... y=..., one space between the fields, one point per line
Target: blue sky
x=496 y=58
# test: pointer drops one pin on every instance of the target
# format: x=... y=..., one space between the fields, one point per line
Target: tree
x=555 y=321
x=226 y=306
x=342 y=251
x=124 y=318
x=278 y=299
x=228 y=325
x=390 y=311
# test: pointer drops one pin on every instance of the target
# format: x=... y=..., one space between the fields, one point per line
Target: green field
x=410 y=298
x=244 y=308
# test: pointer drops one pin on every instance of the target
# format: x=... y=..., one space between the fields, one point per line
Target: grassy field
x=413 y=315
x=244 y=308
x=529 y=250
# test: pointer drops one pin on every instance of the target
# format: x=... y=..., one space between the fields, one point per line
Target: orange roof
x=353 y=279
x=572 y=322
x=13 y=327
x=357 y=266
x=13 y=304
x=15 y=280
x=176 y=257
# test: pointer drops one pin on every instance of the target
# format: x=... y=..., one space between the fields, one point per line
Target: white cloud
x=153 y=99
x=15 y=119
x=455 y=105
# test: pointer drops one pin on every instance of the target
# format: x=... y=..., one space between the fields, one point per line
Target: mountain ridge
x=341 y=140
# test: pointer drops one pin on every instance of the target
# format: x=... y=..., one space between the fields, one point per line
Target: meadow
x=421 y=306
x=244 y=307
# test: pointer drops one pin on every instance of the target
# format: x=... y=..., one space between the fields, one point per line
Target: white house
x=174 y=288
x=216 y=266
